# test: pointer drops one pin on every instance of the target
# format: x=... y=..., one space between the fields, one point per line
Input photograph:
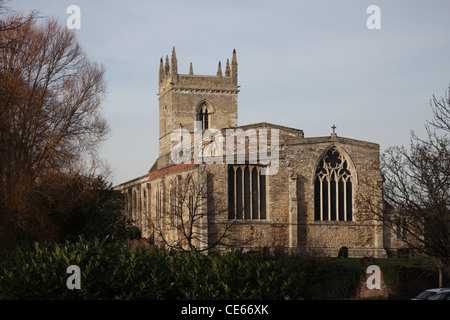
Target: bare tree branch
x=417 y=189
x=441 y=111
x=50 y=107
x=185 y=224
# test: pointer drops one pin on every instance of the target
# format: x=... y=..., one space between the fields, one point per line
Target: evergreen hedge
x=110 y=270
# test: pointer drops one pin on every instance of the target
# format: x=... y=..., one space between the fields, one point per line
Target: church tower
x=185 y=98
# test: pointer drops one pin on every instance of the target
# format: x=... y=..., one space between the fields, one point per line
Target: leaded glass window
x=246 y=193
x=333 y=188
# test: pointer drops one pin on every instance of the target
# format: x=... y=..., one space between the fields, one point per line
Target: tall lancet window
x=203 y=115
x=246 y=192
x=333 y=188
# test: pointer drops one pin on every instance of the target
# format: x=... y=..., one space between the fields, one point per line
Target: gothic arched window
x=203 y=115
x=333 y=188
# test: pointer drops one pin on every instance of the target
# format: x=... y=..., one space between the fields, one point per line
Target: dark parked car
x=429 y=294
x=442 y=295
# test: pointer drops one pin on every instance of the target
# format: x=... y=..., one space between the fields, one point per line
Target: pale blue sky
x=303 y=64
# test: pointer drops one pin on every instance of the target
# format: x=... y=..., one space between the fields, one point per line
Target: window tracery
x=333 y=188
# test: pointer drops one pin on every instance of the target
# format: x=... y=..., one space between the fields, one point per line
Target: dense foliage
x=63 y=207
x=110 y=270
x=51 y=128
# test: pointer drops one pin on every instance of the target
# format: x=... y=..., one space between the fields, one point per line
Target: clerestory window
x=333 y=188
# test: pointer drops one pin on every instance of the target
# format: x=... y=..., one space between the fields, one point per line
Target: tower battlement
x=169 y=78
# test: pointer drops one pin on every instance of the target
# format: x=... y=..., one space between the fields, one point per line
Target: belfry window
x=333 y=188
x=204 y=116
x=246 y=193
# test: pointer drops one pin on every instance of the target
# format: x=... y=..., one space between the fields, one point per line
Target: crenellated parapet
x=169 y=78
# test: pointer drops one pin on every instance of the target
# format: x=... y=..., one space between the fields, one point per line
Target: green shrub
x=110 y=270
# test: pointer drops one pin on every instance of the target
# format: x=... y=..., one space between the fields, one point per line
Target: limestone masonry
x=309 y=206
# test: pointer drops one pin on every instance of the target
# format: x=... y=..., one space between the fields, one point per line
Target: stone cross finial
x=333 y=134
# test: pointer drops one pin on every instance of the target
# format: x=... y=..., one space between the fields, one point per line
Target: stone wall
x=361 y=236
x=180 y=107
x=289 y=219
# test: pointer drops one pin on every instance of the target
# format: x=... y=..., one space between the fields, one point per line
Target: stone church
x=217 y=185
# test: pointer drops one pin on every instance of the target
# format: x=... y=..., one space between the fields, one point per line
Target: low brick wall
x=364 y=292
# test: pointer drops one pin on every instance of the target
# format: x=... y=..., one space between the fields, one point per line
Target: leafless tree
x=9 y=23
x=441 y=111
x=50 y=108
x=183 y=219
x=417 y=190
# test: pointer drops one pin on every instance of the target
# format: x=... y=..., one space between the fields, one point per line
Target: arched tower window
x=204 y=115
x=333 y=188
